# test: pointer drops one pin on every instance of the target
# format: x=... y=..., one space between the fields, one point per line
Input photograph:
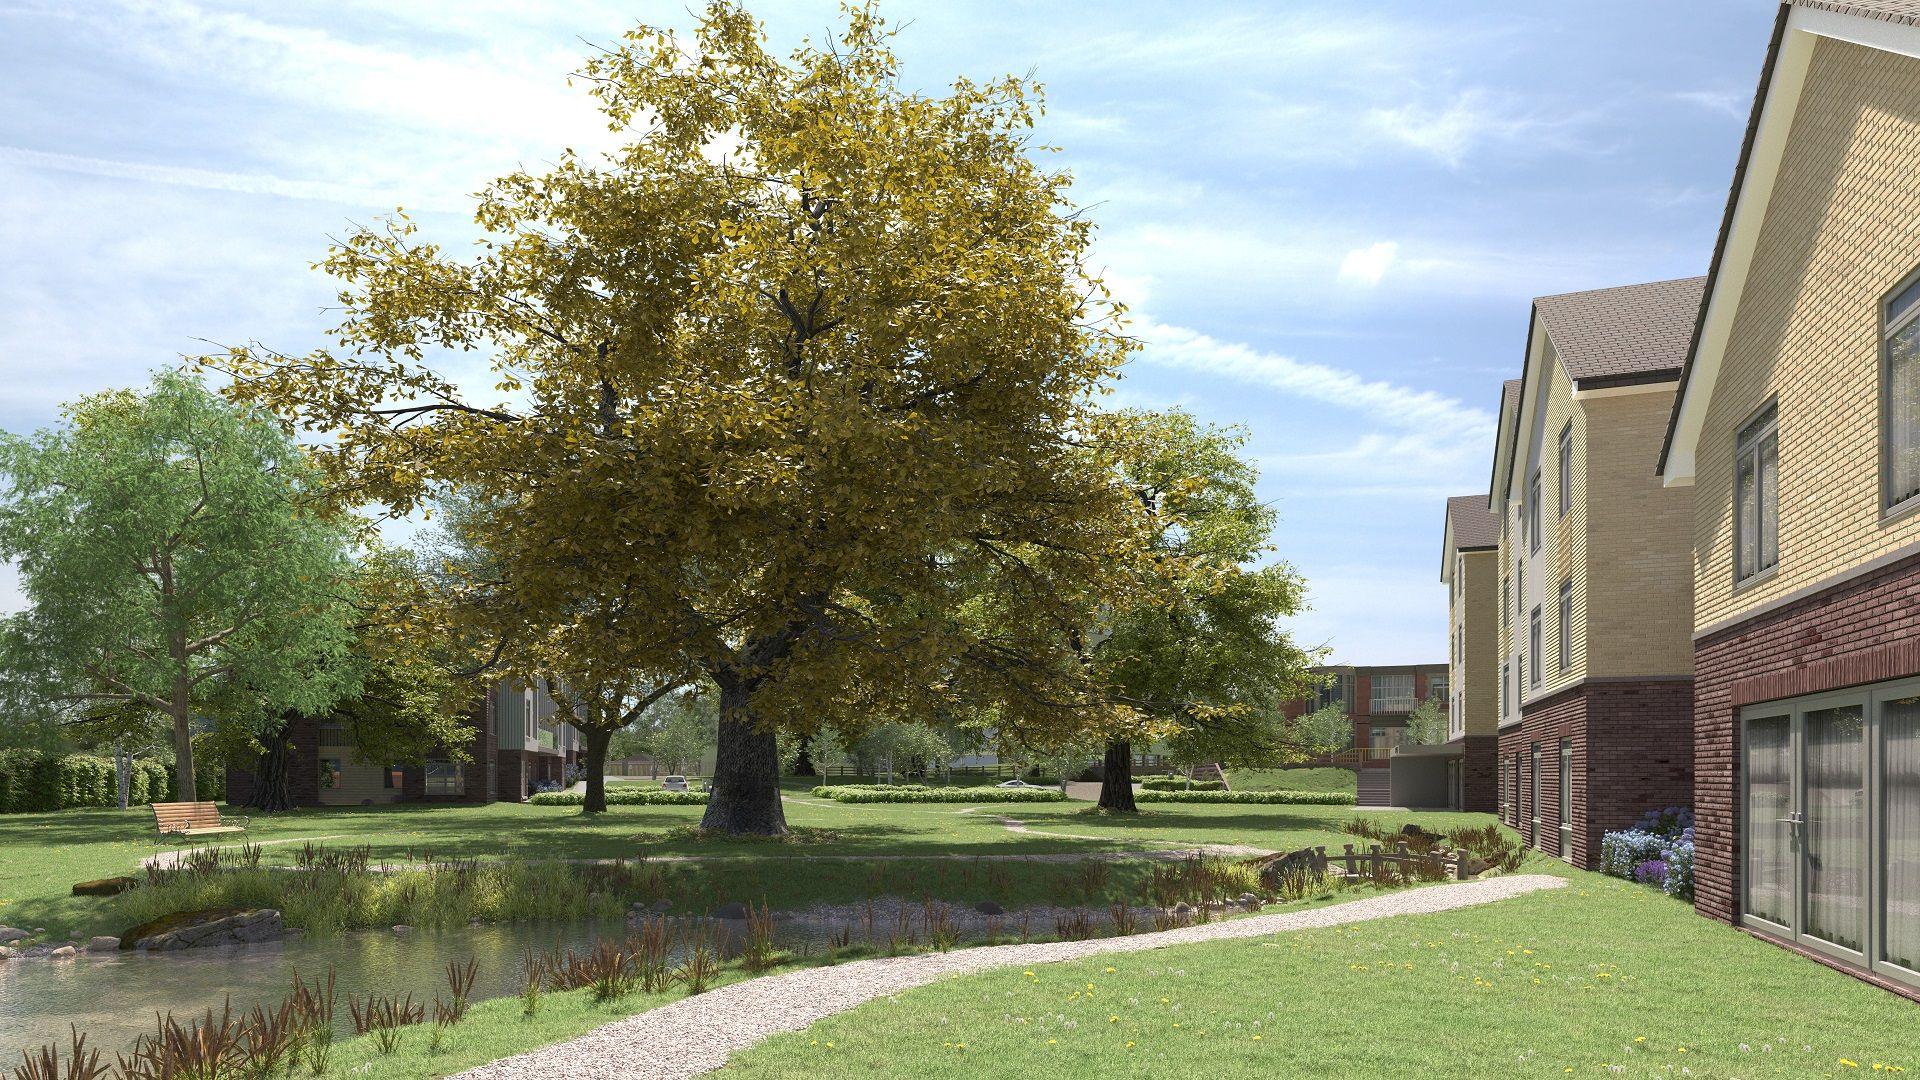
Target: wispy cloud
x=1450 y=130
x=1729 y=102
x=216 y=180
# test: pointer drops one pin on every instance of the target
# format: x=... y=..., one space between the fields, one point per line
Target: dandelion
x=1849 y=1064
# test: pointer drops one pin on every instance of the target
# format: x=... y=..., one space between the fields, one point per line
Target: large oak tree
x=802 y=369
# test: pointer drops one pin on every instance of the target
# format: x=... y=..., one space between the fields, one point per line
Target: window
x=333 y=733
x=1756 y=477
x=1533 y=649
x=1566 y=469
x=1533 y=799
x=1519 y=589
x=445 y=779
x=1506 y=593
x=1391 y=693
x=1332 y=692
x=1566 y=624
x=1533 y=512
x=1901 y=343
x=1566 y=798
x=393 y=777
x=1506 y=681
x=1437 y=688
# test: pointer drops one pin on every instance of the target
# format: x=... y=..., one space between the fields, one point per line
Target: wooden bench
x=193 y=819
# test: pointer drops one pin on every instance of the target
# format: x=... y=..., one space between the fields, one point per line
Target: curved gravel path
x=694 y=1035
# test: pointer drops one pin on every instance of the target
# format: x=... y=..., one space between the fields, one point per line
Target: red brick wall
x=1862 y=631
x=1480 y=777
x=1632 y=752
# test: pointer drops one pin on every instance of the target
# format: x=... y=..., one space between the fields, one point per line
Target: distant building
x=1377 y=700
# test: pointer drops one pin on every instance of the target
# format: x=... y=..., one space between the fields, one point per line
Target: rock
x=217 y=926
x=1418 y=833
x=1249 y=901
x=64 y=952
x=988 y=907
x=108 y=886
x=8 y=952
x=735 y=910
x=660 y=906
x=103 y=943
x=1473 y=864
x=1183 y=908
x=11 y=934
x=402 y=928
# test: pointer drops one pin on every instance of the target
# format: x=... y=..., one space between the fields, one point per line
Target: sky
x=1327 y=219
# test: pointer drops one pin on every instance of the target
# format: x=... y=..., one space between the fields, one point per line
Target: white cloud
x=1452 y=130
x=1367 y=265
x=216 y=180
x=1727 y=102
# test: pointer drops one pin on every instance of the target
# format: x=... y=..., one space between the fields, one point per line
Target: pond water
x=113 y=997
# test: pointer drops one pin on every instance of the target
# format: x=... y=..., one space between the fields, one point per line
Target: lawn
x=1601 y=978
x=1322 y=779
x=927 y=847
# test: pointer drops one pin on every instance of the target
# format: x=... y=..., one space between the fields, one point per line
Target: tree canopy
x=175 y=558
x=783 y=384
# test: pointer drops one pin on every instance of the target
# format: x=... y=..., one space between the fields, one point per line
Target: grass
x=1601 y=978
x=1321 y=779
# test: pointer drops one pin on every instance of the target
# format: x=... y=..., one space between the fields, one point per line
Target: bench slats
x=191 y=819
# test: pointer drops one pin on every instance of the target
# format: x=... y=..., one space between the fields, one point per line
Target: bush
x=826 y=791
x=1307 y=798
x=33 y=782
x=623 y=797
x=1658 y=851
x=1177 y=783
x=859 y=793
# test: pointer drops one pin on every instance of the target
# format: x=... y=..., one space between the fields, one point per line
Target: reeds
x=80 y=1062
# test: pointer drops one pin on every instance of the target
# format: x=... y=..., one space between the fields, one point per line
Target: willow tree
x=1202 y=658
x=778 y=382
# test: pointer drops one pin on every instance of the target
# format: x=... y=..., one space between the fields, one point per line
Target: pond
x=113 y=997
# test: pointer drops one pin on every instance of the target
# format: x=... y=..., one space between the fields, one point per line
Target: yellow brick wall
x=1564 y=540
x=1638 y=610
x=1475 y=670
x=1842 y=228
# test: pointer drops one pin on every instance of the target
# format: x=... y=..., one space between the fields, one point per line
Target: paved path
x=695 y=1035
x=166 y=860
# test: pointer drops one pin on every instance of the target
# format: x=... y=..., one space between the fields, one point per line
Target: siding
x=1637 y=614
x=358 y=783
x=1476 y=670
x=1842 y=228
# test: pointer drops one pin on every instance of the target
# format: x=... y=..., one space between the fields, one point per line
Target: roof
x=1509 y=399
x=1473 y=526
x=1628 y=334
x=1900 y=11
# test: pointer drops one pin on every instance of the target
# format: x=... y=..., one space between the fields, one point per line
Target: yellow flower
x=1256 y=1038
x=1109 y=971
x=1129 y=1044
x=1113 y=1019
x=1849 y=1064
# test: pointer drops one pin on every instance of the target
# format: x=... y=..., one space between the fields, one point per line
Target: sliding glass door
x=1830 y=825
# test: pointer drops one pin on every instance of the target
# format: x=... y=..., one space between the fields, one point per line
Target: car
x=1015 y=782
x=673 y=783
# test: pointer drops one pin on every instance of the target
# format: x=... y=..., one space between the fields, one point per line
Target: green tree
x=1202 y=659
x=1427 y=724
x=803 y=364
x=172 y=558
x=1327 y=730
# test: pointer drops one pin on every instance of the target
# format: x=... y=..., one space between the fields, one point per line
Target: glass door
x=1771 y=822
x=1899 y=834
x=1833 y=862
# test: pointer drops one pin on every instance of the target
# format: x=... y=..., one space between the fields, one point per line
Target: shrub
x=826 y=791
x=1178 y=783
x=1310 y=798
x=851 y=793
x=1657 y=852
x=35 y=782
x=623 y=797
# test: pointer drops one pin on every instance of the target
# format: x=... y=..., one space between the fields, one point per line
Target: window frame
x=1534 y=632
x=1565 y=618
x=1566 y=799
x=1564 y=459
x=1890 y=507
x=1533 y=512
x=1759 y=424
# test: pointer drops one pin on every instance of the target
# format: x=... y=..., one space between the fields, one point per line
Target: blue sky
x=1327 y=217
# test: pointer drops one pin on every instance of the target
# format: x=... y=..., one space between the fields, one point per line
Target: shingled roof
x=1474 y=527
x=1628 y=334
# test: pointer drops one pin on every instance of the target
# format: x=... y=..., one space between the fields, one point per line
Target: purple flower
x=1651 y=872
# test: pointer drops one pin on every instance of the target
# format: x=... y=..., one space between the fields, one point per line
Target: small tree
x=1327 y=730
x=173 y=558
x=1427 y=724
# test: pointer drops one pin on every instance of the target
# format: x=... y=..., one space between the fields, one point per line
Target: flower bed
x=623 y=796
x=1312 y=798
x=1657 y=851
x=904 y=793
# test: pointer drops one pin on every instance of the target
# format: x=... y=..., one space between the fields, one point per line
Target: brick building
x=1470 y=569
x=1596 y=663
x=1377 y=701
x=1797 y=430
x=516 y=747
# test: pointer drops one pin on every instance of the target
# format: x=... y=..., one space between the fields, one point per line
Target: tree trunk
x=597 y=742
x=183 y=778
x=745 y=800
x=1116 y=778
x=803 y=761
x=122 y=772
x=270 y=789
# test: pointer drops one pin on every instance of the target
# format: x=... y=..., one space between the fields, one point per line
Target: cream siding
x=1637 y=615
x=1841 y=229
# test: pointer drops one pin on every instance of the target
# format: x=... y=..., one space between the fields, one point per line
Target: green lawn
x=42 y=855
x=1323 y=779
x=1601 y=978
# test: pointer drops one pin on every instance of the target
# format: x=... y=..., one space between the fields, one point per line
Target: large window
x=1901 y=330
x=1566 y=624
x=1533 y=799
x=1533 y=511
x=1332 y=692
x=1565 y=463
x=1830 y=825
x=1391 y=693
x=1566 y=798
x=445 y=779
x=1533 y=649
x=1756 y=479
x=1506 y=682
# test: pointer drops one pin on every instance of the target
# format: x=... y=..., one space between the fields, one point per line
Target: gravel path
x=694 y=1035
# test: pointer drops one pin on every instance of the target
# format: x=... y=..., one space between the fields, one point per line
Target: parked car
x=1015 y=782
x=673 y=783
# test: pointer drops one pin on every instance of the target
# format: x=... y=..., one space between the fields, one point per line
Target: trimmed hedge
x=1175 y=783
x=859 y=793
x=33 y=782
x=621 y=797
x=1309 y=798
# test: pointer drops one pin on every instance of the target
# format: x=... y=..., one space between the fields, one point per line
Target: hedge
x=623 y=797
x=1312 y=798
x=1175 y=783
x=825 y=791
x=35 y=782
x=856 y=793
